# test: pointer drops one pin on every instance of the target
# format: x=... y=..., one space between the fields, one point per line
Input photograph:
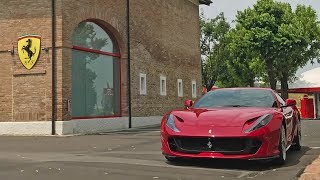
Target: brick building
x=100 y=64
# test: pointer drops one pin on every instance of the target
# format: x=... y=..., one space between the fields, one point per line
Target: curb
x=312 y=171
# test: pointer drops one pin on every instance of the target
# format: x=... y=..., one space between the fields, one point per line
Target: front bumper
x=262 y=144
x=196 y=145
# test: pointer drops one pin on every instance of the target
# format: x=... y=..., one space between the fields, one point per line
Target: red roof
x=305 y=90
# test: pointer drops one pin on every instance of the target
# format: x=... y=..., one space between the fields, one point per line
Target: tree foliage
x=213 y=46
x=227 y=65
x=284 y=39
x=270 y=41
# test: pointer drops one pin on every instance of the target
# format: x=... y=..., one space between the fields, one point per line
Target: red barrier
x=307 y=107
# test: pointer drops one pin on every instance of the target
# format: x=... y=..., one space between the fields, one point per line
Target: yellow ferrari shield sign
x=29 y=50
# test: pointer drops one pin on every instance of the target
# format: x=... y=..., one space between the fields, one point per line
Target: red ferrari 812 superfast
x=233 y=123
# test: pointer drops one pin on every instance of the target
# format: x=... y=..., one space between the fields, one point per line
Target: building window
x=95 y=73
x=163 y=86
x=194 y=89
x=180 y=88
x=143 y=84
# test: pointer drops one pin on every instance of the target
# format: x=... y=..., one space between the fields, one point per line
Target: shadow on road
x=293 y=158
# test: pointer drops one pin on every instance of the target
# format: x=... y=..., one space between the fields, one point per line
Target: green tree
x=243 y=64
x=282 y=39
x=213 y=45
x=301 y=43
x=259 y=25
x=225 y=60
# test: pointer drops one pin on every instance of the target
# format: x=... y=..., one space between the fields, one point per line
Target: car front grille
x=194 y=145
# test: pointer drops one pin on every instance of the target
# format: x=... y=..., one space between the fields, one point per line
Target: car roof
x=257 y=88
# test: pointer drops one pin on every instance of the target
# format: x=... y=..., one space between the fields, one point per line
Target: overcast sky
x=230 y=8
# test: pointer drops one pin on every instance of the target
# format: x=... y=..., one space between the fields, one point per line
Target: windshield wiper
x=235 y=105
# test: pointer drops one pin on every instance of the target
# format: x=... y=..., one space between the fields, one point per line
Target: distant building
x=66 y=69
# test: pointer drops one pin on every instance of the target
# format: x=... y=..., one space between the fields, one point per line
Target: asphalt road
x=134 y=155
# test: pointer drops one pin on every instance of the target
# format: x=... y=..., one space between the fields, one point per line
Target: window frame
x=194 y=91
x=105 y=53
x=163 y=93
x=143 y=84
x=180 y=91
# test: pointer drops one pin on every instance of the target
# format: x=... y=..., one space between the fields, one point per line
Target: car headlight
x=260 y=122
x=170 y=123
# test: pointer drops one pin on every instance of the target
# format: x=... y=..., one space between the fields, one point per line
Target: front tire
x=282 y=147
x=297 y=139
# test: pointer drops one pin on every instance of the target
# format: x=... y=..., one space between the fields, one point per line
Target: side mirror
x=291 y=102
x=188 y=104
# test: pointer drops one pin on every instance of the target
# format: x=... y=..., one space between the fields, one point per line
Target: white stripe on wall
x=83 y=126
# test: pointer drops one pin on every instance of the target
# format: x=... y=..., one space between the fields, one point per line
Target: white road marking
x=315 y=147
x=243 y=174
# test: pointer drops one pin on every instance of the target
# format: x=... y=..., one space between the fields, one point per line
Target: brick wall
x=164 y=41
x=110 y=15
x=25 y=95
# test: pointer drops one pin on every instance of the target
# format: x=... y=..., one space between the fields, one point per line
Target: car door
x=288 y=114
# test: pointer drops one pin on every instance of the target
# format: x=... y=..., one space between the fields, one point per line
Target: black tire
x=297 y=139
x=282 y=147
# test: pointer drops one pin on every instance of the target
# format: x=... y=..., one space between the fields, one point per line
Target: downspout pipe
x=53 y=60
x=129 y=64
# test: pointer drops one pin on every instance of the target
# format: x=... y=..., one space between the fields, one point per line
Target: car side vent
x=179 y=119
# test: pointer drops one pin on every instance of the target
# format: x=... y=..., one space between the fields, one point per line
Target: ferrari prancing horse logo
x=209 y=144
x=29 y=50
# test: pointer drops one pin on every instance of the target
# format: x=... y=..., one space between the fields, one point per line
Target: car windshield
x=237 y=98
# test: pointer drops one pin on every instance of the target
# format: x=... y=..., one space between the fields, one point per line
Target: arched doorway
x=95 y=73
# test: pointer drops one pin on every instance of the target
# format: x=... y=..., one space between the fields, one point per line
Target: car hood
x=219 y=117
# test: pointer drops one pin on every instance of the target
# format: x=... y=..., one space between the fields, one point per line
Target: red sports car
x=233 y=123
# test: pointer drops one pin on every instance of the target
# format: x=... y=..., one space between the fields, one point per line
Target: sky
x=230 y=7
x=310 y=73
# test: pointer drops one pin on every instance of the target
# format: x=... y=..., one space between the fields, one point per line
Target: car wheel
x=297 y=139
x=282 y=147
